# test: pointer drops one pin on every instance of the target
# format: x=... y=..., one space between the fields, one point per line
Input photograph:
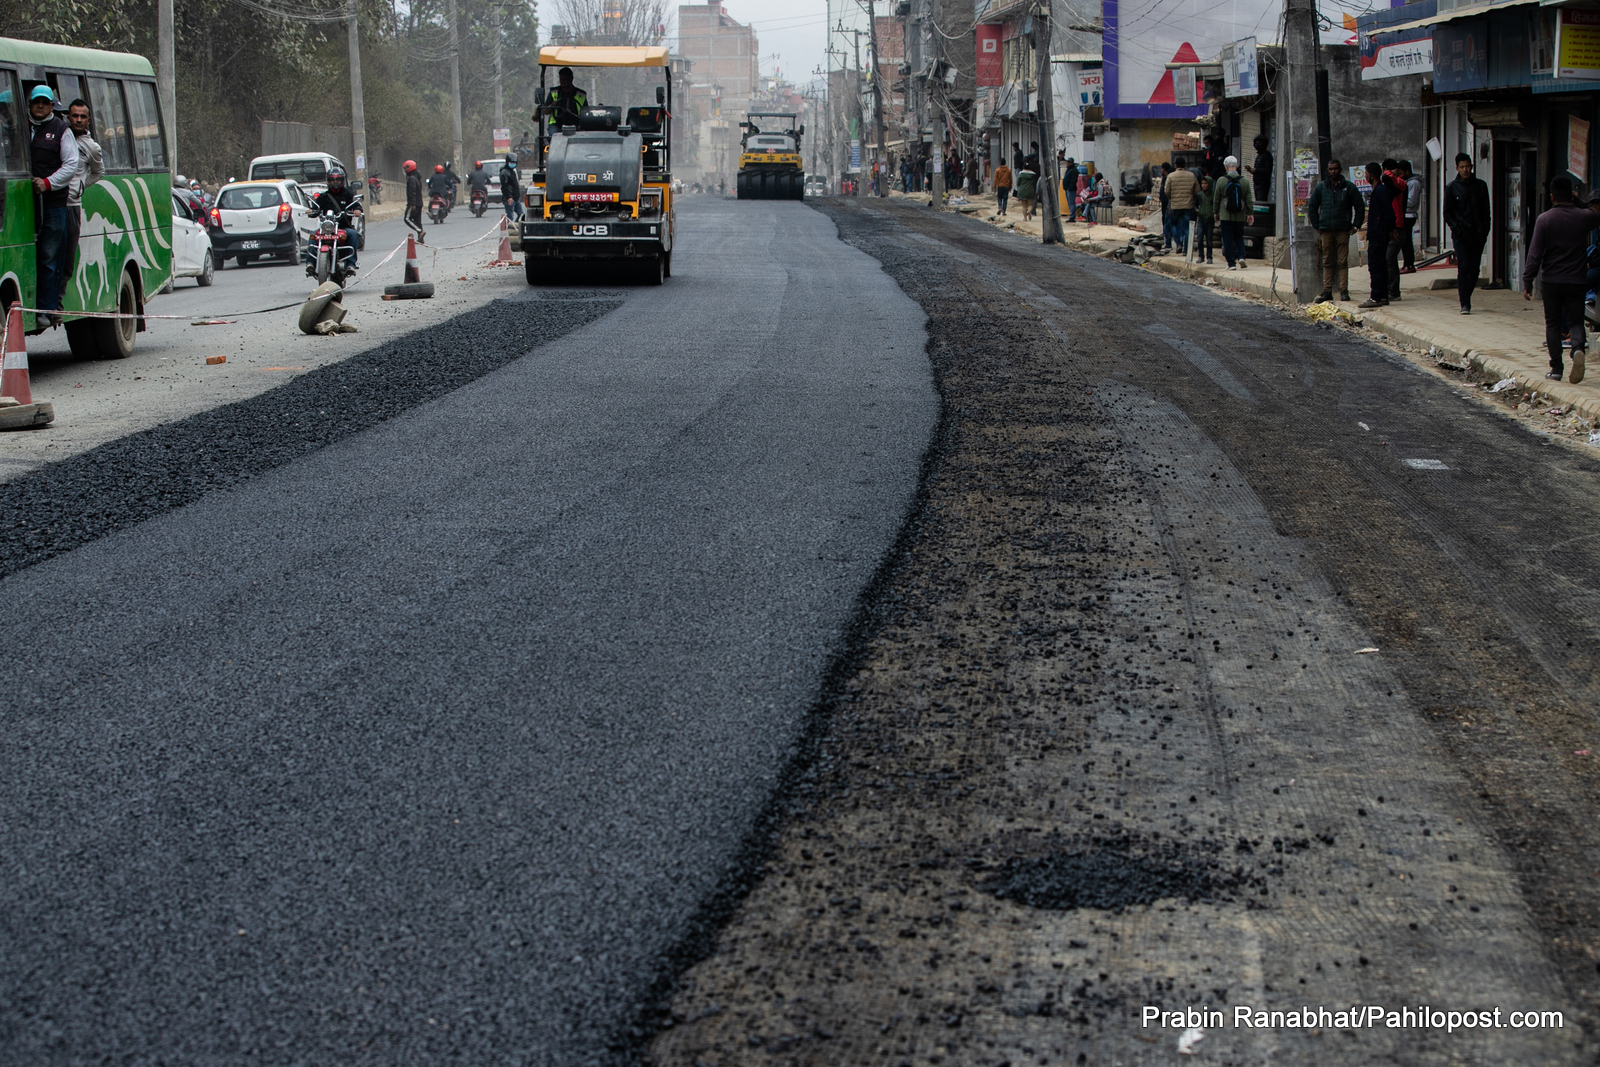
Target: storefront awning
x=1465 y=12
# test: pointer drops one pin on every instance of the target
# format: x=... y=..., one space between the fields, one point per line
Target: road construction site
x=887 y=642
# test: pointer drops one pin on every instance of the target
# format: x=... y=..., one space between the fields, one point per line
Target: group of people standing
x=1214 y=199
x=1393 y=202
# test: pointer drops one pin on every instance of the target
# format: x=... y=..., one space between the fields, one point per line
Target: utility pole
x=358 y=108
x=877 y=100
x=455 y=84
x=167 y=82
x=1050 y=216
x=1300 y=39
x=499 y=68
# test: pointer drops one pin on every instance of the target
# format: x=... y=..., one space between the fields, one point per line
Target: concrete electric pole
x=358 y=108
x=499 y=68
x=1300 y=39
x=1049 y=177
x=166 y=79
x=455 y=84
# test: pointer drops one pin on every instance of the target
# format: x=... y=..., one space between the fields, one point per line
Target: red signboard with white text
x=989 y=69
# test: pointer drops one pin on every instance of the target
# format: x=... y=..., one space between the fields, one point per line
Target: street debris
x=1365 y=651
x=322 y=306
x=1329 y=312
x=1189 y=1041
x=1502 y=385
x=212 y=361
x=1138 y=250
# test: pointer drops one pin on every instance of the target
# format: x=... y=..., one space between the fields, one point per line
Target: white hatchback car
x=258 y=220
x=191 y=244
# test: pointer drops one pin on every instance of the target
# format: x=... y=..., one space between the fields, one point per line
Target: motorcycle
x=328 y=257
x=438 y=207
x=375 y=188
x=480 y=202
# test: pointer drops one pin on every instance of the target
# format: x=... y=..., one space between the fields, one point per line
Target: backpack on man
x=1233 y=196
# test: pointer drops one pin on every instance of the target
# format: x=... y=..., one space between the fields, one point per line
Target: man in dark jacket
x=1380 y=227
x=510 y=188
x=53 y=156
x=1466 y=212
x=1335 y=212
x=1560 y=252
x=414 y=200
x=1069 y=188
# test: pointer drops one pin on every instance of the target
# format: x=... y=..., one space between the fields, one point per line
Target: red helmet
x=410 y=165
x=438 y=168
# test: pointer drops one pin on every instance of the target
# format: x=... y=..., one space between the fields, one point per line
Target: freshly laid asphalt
x=428 y=746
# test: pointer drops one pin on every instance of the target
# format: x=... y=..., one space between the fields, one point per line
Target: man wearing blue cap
x=54 y=159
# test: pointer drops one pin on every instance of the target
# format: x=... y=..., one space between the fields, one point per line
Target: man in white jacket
x=91 y=168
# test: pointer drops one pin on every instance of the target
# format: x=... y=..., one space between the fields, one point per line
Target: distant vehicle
x=308 y=170
x=604 y=191
x=816 y=186
x=124 y=251
x=770 y=167
x=191 y=243
x=260 y=220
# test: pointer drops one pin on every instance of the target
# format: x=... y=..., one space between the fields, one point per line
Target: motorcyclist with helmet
x=340 y=203
x=439 y=185
x=478 y=181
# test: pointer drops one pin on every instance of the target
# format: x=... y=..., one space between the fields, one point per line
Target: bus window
x=145 y=123
x=68 y=87
x=12 y=125
x=110 y=123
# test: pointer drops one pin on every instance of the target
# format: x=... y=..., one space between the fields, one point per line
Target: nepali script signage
x=1578 y=44
x=1393 y=55
x=1239 y=76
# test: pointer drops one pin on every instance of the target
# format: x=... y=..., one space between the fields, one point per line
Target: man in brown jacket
x=1002 y=186
x=1182 y=190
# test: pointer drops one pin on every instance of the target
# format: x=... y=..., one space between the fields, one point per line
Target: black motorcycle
x=331 y=250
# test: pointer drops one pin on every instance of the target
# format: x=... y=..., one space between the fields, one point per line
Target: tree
x=615 y=22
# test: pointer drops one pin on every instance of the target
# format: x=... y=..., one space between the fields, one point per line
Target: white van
x=308 y=170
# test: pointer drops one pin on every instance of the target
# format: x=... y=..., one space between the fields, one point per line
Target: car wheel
x=114 y=337
x=208 y=273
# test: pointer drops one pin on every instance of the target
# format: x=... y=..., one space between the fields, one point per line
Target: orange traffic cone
x=17 y=409
x=412 y=273
x=504 y=255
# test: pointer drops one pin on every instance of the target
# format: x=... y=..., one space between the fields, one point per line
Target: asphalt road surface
x=432 y=740
x=1229 y=663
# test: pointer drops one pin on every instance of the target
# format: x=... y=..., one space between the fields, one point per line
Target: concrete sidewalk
x=1504 y=335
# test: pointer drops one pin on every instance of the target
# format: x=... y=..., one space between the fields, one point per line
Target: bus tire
x=82 y=340
x=114 y=337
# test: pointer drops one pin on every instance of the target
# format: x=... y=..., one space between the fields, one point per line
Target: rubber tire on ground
x=799 y=180
x=739 y=184
x=208 y=273
x=652 y=271
x=409 y=290
x=114 y=337
x=81 y=339
x=666 y=261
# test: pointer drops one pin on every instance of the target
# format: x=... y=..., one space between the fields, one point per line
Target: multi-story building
x=724 y=73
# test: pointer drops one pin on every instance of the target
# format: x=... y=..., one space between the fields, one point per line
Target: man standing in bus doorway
x=54 y=160
x=92 y=170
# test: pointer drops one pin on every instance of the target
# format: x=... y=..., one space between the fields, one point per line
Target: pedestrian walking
x=413 y=214
x=1466 y=212
x=1205 y=210
x=1027 y=189
x=1235 y=205
x=1166 y=207
x=1559 y=256
x=1335 y=211
x=1069 y=188
x=1182 y=189
x=1380 y=229
x=1213 y=163
x=510 y=188
x=1408 y=243
x=1002 y=186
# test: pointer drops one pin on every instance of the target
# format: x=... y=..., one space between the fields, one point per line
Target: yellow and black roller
x=770 y=166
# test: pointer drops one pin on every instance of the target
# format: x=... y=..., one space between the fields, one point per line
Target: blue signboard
x=1461 y=55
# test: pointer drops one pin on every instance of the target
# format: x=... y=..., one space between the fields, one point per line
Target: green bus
x=125 y=245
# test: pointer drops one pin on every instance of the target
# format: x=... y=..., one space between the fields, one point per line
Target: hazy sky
x=796 y=31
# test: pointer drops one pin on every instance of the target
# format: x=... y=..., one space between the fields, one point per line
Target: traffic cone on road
x=17 y=408
x=504 y=254
x=412 y=273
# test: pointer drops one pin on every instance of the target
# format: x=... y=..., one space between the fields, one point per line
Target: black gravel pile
x=1106 y=878
x=126 y=481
